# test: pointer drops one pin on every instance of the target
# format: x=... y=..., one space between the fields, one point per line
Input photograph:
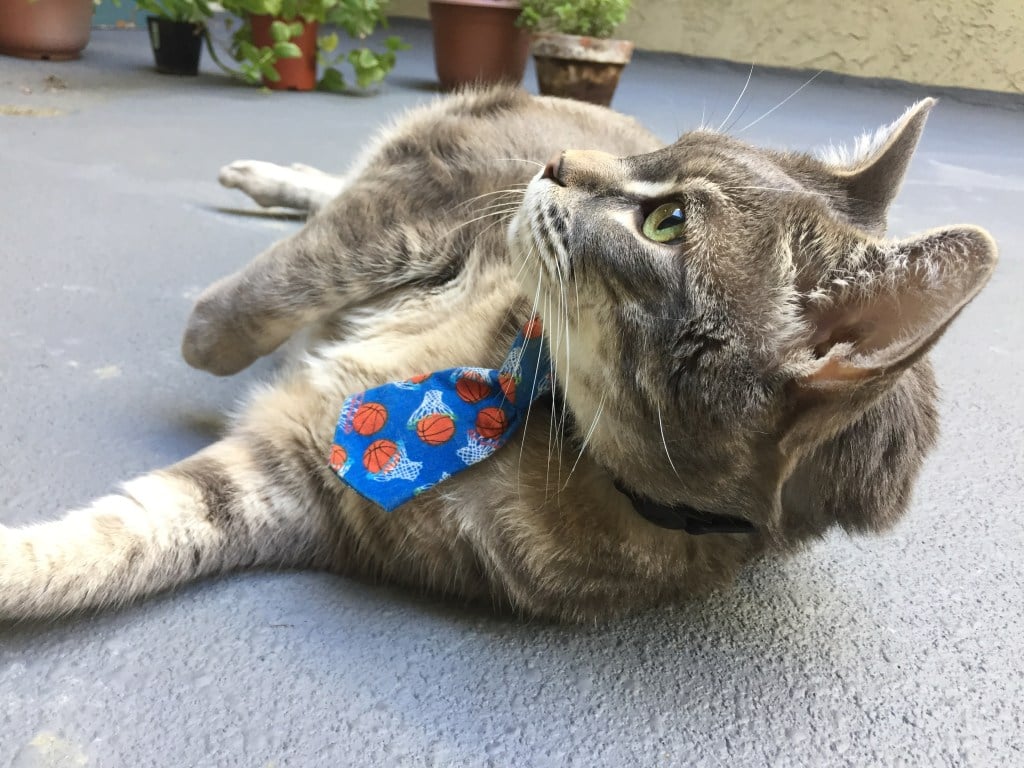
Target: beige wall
x=966 y=43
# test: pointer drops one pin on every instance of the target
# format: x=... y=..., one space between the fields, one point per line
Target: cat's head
x=732 y=330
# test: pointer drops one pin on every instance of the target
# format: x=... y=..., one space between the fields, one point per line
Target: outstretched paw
x=300 y=187
x=266 y=183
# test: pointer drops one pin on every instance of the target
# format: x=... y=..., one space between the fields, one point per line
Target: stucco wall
x=965 y=43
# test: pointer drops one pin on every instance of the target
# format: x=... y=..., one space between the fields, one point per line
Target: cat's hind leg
x=217 y=511
x=299 y=187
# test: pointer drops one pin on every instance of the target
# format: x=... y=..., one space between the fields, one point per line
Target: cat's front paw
x=267 y=183
x=213 y=343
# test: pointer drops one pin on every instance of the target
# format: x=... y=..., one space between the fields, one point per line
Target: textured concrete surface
x=957 y=43
x=905 y=649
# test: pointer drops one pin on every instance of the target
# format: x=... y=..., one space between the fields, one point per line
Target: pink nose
x=553 y=169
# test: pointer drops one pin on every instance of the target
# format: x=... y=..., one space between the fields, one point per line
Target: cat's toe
x=259 y=180
x=235 y=174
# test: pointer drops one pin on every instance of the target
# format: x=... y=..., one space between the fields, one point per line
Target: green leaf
x=328 y=43
x=279 y=32
x=268 y=72
x=287 y=51
x=395 y=43
x=365 y=58
x=332 y=80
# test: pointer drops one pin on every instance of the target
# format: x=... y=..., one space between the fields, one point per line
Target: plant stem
x=213 y=55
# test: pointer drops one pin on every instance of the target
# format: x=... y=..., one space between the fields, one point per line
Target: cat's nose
x=553 y=170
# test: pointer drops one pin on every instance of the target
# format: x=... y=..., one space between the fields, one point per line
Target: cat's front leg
x=249 y=314
x=297 y=186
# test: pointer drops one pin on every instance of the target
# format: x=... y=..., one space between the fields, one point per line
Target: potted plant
x=45 y=29
x=478 y=41
x=278 y=42
x=572 y=46
x=176 y=32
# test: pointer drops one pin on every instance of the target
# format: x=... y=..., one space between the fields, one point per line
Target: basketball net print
x=397 y=440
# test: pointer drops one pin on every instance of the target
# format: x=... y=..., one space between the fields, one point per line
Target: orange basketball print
x=532 y=329
x=472 y=388
x=436 y=429
x=380 y=456
x=338 y=457
x=508 y=386
x=491 y=423
x=419 y=378
x=369 y=418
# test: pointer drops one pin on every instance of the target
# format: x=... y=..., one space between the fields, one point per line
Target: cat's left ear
x=871 y=181
x=885 y=304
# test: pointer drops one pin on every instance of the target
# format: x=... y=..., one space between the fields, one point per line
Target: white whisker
x=794 y=93
x=516 y=189
x=529 y=408
x=664 y=442
x=504 y=212
x=522 y=160
x=586 y=439
x=738 y=100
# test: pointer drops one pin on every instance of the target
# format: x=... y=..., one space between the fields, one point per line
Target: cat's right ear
x=872 y=179
x=882 y=307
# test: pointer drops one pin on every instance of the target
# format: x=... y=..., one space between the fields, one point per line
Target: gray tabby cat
x=729 y=326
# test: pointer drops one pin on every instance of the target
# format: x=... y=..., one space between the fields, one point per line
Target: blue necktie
x=397 y=440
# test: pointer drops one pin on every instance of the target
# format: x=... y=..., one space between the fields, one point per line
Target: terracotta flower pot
x=45 y=29
x=296 y=74
x=582 y=68
x=477 y=41
x=177 y=45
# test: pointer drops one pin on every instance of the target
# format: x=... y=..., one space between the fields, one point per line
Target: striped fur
x=742 y=370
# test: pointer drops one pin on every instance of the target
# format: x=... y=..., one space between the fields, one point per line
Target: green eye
x=665 y=223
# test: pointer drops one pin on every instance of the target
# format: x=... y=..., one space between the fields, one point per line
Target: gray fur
x=772 y=365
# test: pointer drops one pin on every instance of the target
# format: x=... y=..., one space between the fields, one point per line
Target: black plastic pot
x=177 y=45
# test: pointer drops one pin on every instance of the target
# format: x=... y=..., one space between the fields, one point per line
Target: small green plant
x=589 y=18
x=357 y=18
x=194 y=11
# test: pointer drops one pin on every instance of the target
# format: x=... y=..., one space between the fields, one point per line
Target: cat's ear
x=872 y=179
x=886 y=304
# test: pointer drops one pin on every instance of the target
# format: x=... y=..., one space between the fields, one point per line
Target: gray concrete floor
x=904 y=649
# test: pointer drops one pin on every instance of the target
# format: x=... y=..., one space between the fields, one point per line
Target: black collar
x=681 y=517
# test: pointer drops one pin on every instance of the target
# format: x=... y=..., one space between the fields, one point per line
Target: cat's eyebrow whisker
x=738 y=100
x=664 y=442
x=781 y=103
x=738 y=117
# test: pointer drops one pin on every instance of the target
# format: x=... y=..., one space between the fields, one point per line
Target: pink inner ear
x=900 y=302
x=837 y=370
x=858 y=340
